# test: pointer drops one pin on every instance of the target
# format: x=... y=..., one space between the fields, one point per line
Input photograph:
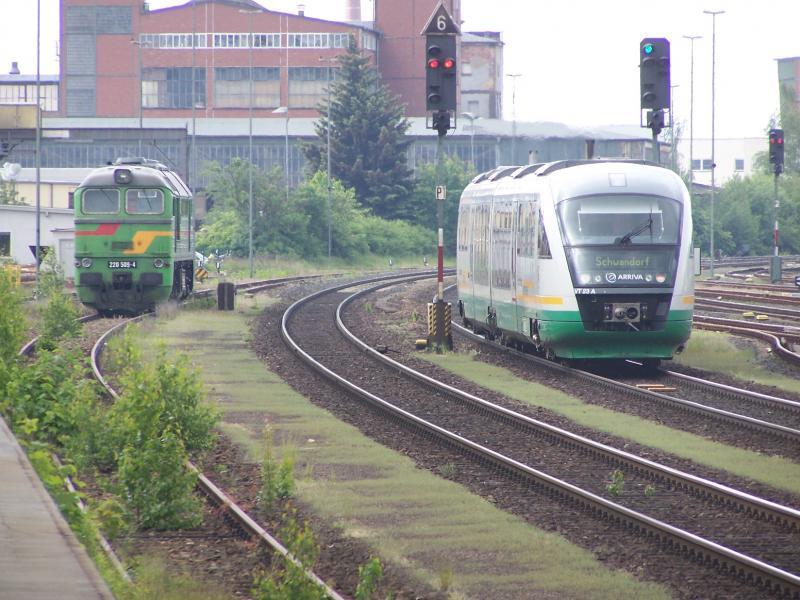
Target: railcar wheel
x=651 y=364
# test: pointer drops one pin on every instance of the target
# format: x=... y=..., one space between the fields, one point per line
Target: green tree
x=9 y=193
x=277 y=221
x=367 y=132
x=421 y=208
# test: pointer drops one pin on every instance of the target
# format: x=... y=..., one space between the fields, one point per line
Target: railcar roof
x=143 y=176
x=542 y=169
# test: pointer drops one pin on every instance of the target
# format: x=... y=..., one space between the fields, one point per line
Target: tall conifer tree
x=368 y=143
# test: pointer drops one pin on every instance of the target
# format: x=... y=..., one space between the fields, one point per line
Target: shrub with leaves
x=59 y=320
x=46 y=390
x=157 y=485
x=277 y=478
x=369 y=576
x=12 y=326
x=290 y=582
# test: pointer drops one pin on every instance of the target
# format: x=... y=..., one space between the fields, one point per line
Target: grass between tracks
x=717 y=352
x=431 y=526
x=771 y=470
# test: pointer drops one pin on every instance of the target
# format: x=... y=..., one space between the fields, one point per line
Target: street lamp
x=250 y=14
x=472 y=118
x=513 y=114
x=284 y=110
x=691 y=38
x=713 y=14
x=672 y=127
x=328 y=143
x=138 y=45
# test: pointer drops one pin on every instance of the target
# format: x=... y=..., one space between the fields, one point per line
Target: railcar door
x=524 y=259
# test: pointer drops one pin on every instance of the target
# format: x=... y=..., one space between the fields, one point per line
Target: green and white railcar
x=580 y=259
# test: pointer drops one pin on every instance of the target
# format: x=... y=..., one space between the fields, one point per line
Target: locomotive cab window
x=100 y=201
x=144 y=202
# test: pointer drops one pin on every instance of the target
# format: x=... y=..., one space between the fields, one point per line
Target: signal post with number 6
x=441 y=101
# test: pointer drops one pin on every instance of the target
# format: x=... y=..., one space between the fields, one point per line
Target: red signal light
x=449 y=63
x=433 y=63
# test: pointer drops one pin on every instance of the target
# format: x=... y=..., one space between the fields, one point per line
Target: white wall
x=20 y=222
x=726 y=152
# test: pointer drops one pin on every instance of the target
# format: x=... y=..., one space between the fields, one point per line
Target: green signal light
x=648 y=49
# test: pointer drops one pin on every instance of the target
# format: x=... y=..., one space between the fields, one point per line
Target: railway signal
x=654 y=71
x=776 y=149
x=441 y=101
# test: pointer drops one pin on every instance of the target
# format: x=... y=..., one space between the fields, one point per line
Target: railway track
x=693 y=517
x=232 y=512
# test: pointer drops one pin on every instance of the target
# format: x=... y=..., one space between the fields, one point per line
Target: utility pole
x=513 y=115
x=691 y=38
x=713 y=105
x=38 y=256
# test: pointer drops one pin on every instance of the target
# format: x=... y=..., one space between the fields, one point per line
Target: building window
x=172 y=88
x=474 y=107
x=706 y=164
x=266 y=40
x=232 y=87
x=466 y=68
x=695 y=164
x=340 y=40
x=369 y=41
x=5 y=243
x=231 y=40
x=739 y=164
x=308 y=85
x=308 y=40
x=172 y=40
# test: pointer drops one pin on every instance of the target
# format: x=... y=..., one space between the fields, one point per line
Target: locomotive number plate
x=122 y=264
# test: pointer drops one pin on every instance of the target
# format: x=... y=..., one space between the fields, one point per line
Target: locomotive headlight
x=158 y=263
x=122 y=176
x=86 y=262
x=619 y=313
x=585 y=278
x=632 y=313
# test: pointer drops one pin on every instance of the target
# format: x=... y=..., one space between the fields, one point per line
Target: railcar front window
x=144 y=202
x=100 y=201
x=621 y=240
x=620 y=220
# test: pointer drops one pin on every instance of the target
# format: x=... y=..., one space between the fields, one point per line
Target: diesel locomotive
x=134 y=239
x=585 y=259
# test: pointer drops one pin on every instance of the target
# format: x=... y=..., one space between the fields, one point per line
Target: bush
x=12 y=321
x=157 y=485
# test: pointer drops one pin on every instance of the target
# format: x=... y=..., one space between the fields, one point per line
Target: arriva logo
x=611 y=277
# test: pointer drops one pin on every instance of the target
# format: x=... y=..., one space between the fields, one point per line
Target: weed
x=369 y=308
x=445 y=575
x=277 y=479
x=617 y=484
x=369 y=576
x=649 y=490
x=414 y=316
x=447 y=470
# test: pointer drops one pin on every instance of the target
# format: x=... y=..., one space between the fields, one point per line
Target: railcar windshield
x=100 y=201
x=619 y=220
x=144 y=202
x=621 y=240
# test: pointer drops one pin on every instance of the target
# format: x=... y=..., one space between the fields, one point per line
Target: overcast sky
x=578 y=59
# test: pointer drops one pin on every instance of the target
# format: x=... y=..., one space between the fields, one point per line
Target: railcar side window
x=542 y=244
x=100 y=201
x=144 y=202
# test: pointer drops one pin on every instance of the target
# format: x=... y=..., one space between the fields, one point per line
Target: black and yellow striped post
x=440 y=333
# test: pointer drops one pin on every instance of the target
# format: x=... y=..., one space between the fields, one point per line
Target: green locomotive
x=134 y=239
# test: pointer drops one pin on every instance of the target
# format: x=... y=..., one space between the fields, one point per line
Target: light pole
x=38 y=141
x=472 y=118
x=691 y=38
x=284 y=110
x=138 y=45
x=672 y=127
x=713 y=14
x=513 y=114
x=250 y=14
x=328 y=149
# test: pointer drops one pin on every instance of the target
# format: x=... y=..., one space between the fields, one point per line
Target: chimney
x=352 y=10
x=14 y=69
x=301 y=10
